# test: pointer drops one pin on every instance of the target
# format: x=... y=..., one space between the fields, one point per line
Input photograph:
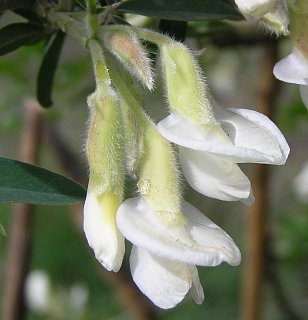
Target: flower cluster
x=272 y=14
x=282 y=20
x=170 y=237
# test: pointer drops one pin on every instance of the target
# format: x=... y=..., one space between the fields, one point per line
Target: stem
x=102 y=77
x=92 y=19
x=19 y=247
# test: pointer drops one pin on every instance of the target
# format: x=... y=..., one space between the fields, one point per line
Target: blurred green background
x=76 y=287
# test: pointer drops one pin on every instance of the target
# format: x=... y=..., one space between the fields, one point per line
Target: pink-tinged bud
x=126 y=47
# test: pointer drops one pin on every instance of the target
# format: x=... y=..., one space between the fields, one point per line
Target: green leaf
x=48 y=69
x=29 y=14
x=182 y=9
x=23 y=182
x=16 y=35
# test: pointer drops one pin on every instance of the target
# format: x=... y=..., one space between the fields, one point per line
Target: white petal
x=200 y=242
x=293 y=69
x=277 y=20
x=304 y=94
x=256 y=135
x=102 y=234
x=207 y=234
x=196 y=290
x=241 y=126
x=163 y=281
x=214 y=176
x=256 y=8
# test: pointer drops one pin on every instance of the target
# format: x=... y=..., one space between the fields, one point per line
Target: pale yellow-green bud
x=133 y=138
x=127 y=48
x=159 y=179
x=299 y=27
x=277 y=20
x=185 y=85
x=105 y=143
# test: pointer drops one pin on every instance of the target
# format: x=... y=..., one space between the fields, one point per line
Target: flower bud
x=133 y=137
x=277 y=20
x=105 y=191
x=159 y=182
x=185 y=85
x=255 y=8
x=126 y=47
x=105 y=143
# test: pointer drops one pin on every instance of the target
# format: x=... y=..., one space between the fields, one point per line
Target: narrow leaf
x=176 y=29
x=16 y=35
x=182 y=9
x=15 y=4
x=23 y=182
x=48 y=69
x=29 y=14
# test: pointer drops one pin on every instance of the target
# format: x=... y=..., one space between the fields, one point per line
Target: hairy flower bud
x=185 y=85
x=105 y=143
x=133 y=137
x=105 y=191
x=255 y=8
x=159 y=182
x=277 y=20
x=126 y=47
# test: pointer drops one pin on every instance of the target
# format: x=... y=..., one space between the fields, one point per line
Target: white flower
x=272 y=14
x=164 y=256
x=255 y=8
x=294 y=69
x=208 y=154
x=277 y=20
x=101 y=230
x=165 y=282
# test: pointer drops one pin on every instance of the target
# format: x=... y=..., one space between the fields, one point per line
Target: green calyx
x=158 y=177
x=105 y=143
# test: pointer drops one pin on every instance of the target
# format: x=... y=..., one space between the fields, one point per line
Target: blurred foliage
x=293 y=113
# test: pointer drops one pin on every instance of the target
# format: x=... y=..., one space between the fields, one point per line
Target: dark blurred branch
x=175 y=29
x=272 y=276
x=257 y=213
x=223 y=40
x=15 y=4
x=136 y=303
x=19 y=246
